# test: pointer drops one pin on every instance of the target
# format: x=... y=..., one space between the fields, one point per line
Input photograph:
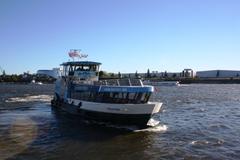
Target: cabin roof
x=73 y=63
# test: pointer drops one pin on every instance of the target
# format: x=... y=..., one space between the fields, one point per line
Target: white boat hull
x=123 y=114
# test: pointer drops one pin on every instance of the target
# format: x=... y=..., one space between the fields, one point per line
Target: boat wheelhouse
x=118 y=101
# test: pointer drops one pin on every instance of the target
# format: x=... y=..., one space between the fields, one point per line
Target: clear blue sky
x=125 y=35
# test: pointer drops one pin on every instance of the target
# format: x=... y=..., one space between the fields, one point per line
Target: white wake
x=36 y=98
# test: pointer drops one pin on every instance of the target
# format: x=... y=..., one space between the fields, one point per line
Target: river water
x=196 y=122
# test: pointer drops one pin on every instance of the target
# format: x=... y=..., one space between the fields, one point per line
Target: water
x=196 y=122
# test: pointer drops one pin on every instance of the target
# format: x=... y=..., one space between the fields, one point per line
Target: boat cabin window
x=111 y=97
x=86 y=68
x=66 y=70
x=70 y=69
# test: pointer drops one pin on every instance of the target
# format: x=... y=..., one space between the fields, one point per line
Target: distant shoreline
x=25 y=83
x=207 y=80
x=194 y=80
x=181 y=81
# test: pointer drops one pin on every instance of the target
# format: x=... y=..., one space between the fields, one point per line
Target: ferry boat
x=121 y=101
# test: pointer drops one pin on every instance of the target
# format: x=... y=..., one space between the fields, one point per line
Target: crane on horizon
x=2 y=71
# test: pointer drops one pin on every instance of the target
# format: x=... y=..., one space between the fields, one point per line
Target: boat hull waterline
x=116 y=114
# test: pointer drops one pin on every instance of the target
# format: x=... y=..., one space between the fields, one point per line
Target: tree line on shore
x=26 y=78
x=30 y=78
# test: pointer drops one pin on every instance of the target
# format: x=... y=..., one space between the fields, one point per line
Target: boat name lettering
x=111 y=89
x=114 y=109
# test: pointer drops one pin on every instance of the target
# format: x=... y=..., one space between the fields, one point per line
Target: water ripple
x=196 y=122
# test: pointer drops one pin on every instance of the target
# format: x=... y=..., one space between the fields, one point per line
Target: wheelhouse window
x=93 y=68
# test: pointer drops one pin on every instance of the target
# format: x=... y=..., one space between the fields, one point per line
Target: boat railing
x=110 y=82
x=120 y=82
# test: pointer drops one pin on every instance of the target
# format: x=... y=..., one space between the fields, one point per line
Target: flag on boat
x=76 y=53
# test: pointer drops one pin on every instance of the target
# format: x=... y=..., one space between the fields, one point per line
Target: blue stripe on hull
x=139 y=120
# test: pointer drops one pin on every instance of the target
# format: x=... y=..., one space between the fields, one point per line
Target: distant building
x=133 y=75
x=55 y=72
x=218 y=74
x=153 y=74
x=188 y=73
